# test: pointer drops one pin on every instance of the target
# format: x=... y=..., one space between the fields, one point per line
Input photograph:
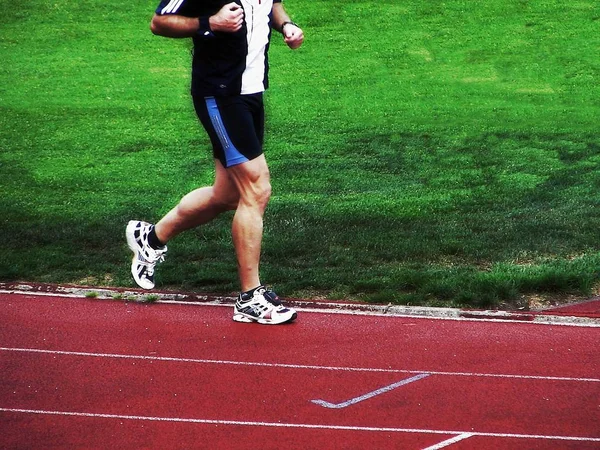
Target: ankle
x=250 y=293
x=153 y=239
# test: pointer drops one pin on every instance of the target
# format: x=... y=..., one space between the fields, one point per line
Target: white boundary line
x=296 y=366
x=537 y=320
x=297 y=425
x=334 y=308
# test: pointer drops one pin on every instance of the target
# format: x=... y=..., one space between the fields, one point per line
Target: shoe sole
x=243 y=318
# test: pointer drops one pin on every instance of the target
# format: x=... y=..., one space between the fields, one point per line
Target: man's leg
x=148 y=242
x=245 y=187
x=255 y=303
x=253 y=184
x=200 y=206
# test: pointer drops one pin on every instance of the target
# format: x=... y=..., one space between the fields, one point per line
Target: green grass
x=439 y=153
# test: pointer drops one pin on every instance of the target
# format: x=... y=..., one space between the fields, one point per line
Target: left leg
x=254 y=188
x=236 y=127
x=255 y=303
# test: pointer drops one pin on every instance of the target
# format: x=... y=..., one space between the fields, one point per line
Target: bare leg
x=199 y=206
x=245 y=188
x=253 y=183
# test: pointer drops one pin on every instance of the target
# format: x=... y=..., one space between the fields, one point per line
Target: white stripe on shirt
x=172 y=7
x=257 y=24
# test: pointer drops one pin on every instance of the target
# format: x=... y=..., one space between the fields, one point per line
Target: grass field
x=422 y=152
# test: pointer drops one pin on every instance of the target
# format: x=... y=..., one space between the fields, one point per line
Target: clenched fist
x=229 y=19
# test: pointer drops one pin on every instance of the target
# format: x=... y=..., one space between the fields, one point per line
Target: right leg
x=200 y=206
x=196 y=208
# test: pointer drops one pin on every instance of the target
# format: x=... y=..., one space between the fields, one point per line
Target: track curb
x=340 y=307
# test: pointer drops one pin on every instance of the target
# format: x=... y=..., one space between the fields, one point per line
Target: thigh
x=235 y=126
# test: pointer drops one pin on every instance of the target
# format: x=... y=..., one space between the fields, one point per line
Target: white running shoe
x=263 y=307
x=144 y=256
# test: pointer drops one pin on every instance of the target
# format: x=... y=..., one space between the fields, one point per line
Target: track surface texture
x=89 y=373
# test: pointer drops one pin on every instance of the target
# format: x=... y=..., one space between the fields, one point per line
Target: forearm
x=293 y=35
x=174 y=26
x=229 y=19
x=279 y=16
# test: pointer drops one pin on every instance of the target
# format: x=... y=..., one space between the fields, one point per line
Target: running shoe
x=264 y=307
x=145 y=257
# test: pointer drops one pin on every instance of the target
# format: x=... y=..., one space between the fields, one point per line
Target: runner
x=229 y=76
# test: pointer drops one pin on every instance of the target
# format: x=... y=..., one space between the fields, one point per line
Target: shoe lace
x=160 y=253
x=154 y=256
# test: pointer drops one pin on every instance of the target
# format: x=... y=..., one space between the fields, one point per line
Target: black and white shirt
x=227 y=63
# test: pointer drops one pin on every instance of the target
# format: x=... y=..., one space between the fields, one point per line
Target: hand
x=293 y=36
x=229 y=19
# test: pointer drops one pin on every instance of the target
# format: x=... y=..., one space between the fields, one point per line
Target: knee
x=253 y=183
x=263 y=193
x=256 y=195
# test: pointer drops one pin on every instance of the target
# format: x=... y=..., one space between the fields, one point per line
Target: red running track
x=82 y=373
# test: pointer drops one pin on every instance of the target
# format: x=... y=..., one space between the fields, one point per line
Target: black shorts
x=235 y=125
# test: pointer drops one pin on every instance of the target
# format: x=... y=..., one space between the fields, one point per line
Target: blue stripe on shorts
x=232 y=155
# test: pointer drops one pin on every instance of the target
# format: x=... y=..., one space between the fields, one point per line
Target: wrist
x=287 y=22
x=204 y=27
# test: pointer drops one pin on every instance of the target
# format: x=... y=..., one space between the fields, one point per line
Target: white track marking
x=336 y=308
x=296 y=425
x=296 y=366
x=369 y=395
x=447 y=442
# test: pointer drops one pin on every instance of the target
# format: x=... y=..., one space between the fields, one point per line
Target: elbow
x=155 y=25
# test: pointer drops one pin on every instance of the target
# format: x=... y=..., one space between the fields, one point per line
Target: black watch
x=289 y=22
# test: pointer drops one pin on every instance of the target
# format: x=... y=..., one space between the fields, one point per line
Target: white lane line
x=369 y=395
x=296 y=366
x=296 y=425
x=447 y=442
x=403 y=312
